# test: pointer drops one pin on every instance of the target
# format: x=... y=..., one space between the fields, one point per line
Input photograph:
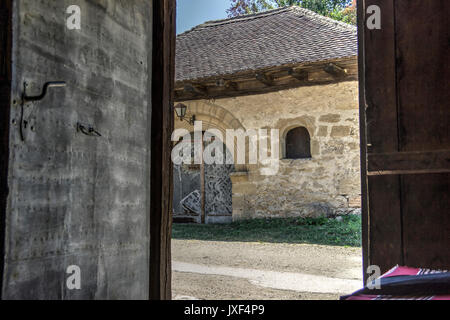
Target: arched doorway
x=202 y=193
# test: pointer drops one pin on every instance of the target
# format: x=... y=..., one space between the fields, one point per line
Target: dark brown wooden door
x=405 y=113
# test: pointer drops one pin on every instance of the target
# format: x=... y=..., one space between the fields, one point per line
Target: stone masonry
x=327 y=184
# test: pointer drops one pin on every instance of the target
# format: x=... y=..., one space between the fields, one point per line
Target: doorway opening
x=202 y=193
x=299 y=223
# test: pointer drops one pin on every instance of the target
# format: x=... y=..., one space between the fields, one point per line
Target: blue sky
x=194 y=12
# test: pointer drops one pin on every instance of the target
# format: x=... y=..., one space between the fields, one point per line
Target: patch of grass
x=345 y=232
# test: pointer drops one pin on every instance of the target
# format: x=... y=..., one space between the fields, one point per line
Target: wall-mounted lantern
x=181 y=110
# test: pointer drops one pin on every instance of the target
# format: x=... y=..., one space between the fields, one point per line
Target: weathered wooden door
x=218 y=192
x=405 y=113
x=202 y=193
x=188 y=189
x=78 y=198
x=187 y=185
x=75 y=161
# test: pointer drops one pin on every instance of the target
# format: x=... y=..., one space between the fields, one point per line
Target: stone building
x=287 y=69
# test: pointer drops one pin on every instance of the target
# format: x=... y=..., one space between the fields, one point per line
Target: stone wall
x=328 y=183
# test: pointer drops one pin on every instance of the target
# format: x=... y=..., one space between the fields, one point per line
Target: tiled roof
x=272 y=38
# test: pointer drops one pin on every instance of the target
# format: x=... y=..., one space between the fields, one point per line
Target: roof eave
x=269 y=79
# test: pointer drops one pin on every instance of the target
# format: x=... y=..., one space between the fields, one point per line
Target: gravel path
x=243 y=270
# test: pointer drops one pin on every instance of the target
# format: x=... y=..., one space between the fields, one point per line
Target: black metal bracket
x=51 y=84
x=191 y=120
x=26 y=99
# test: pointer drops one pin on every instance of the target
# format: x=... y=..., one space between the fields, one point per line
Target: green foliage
x=347 y=15
x=311 y=221
x=345 y=232
x=341 y=10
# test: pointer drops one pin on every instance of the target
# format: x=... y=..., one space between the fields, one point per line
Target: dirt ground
x=250 y=271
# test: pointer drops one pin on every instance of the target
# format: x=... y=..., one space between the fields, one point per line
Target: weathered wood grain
x=409 y=162
x=163 y=75
x=406 y=118
x=380 y=108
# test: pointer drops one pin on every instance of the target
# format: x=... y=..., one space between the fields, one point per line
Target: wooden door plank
x=406 y=72
x=409 y=162
x=423 y=55
x=380 y=79
x=385 y=223
x=363 y=139
x=423 y=75
x=380 y=98
x=202 y=185
x=163 y=75
x=426 y=220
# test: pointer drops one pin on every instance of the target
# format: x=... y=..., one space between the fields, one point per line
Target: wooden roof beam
x=199 y=90
x=220 y=83
x=227 y=84
x=231 y=85
x=300 y=75
x=265 y=78
x=335 y=70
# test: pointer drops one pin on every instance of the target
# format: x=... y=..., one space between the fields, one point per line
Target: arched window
x=298 y=144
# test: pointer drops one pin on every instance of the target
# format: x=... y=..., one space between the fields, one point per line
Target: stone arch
x=287 y=125
x=213 y=116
